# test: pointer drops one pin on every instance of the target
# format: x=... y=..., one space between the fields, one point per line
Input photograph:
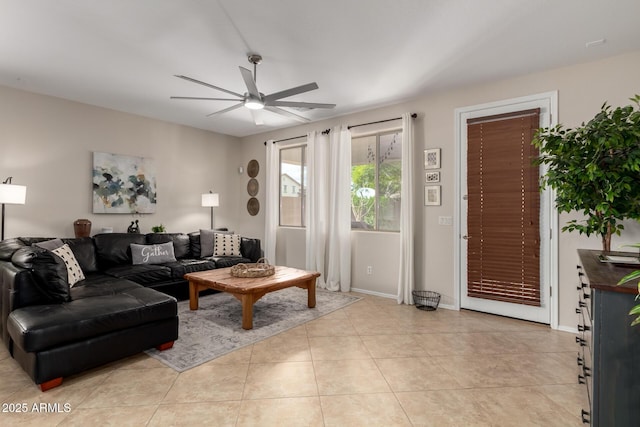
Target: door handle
x=465 y=237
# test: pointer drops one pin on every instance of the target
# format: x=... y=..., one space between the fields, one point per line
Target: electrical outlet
x=369 y=269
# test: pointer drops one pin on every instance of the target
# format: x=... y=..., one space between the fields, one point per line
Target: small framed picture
x=432 y=158
x=432 y=195
x=430 y=177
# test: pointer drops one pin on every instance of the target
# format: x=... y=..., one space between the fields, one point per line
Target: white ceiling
x=123 y=54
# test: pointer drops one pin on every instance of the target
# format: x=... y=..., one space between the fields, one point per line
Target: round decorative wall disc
x=253 y=168
x=253 y=187
x=253 y=206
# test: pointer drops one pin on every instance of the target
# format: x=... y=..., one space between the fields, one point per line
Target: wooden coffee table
x=250 y=290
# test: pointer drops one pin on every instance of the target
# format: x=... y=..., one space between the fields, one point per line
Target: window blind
x=503 y=223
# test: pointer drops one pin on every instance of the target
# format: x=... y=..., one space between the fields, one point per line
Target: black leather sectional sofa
x=119 y=309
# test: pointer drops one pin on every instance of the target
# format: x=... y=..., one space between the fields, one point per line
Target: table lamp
x=210 y=200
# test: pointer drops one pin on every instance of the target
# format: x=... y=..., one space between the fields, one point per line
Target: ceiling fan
x=255 y=100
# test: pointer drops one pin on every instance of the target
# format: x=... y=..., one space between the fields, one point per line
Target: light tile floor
x=373 y=363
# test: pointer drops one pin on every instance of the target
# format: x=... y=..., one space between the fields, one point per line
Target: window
x=376 y=165
x=293 y=171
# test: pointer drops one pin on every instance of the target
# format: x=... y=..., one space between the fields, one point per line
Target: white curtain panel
x=339 y=218
x=316 y=204
x=272 y=199
x=406 y=280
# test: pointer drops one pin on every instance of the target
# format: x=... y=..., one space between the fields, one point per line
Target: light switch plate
x=445 y=220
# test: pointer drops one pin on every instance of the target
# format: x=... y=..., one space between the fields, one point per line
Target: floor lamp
x=11 y=195
x=210 y=200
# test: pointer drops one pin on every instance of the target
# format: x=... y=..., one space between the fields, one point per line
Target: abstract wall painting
x=123 y=184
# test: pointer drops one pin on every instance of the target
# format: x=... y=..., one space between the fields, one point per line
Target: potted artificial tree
x=595 y=169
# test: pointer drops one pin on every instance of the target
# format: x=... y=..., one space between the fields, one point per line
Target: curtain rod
x=324 y=132
x=413 y=115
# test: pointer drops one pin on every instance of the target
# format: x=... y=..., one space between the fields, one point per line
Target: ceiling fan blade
x=287 y=113
x=233 y=107
x=204 y=99
x=290 y=92
x=300 y=104
x=251 y=84
x=257 y=115
x=189 y=79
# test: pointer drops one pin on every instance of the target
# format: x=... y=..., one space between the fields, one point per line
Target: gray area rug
x=215 y=329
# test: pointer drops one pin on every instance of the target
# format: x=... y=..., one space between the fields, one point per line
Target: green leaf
x=629 y=277
x=635 y=310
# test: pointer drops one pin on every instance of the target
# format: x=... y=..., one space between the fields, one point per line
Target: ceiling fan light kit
x=256 y=100
x=253 y=104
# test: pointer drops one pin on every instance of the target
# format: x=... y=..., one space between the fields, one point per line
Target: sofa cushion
x=74 y=272
x=100 y=284
x=183 y=266
x=50 y=273
x=152 y=254
x=40 y=327
x=181 y=246
x=194 y=244
x=85 y=252
x=228 y=261
x=114 y=248
x=144 y=274
x=250 y=248
x=226 y=245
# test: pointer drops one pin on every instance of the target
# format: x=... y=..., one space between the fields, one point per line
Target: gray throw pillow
x=206 y=243
x=50 y=245
x=152 y=254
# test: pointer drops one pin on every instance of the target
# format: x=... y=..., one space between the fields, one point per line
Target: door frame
x=549 y=241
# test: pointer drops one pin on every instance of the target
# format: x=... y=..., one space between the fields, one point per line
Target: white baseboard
x=567 y=329
x=374 y=293
x=380 y=294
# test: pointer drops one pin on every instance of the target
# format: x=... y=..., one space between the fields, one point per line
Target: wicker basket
x=426 y=300
x=262 y=268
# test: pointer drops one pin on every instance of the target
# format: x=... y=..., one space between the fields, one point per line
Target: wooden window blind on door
x=503 y=213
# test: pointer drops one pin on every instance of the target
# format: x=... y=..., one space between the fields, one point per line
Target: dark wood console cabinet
x=609 y=354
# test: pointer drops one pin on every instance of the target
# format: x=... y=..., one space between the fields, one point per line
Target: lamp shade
x=13 y=194
x=210 y=200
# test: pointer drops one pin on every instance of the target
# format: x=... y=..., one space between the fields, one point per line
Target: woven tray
x=262 y=268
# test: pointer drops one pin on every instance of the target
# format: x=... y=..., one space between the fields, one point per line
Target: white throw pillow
x=74 y=272
x=226 y=245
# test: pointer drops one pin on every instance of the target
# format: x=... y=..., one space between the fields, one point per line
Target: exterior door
x=504 y=233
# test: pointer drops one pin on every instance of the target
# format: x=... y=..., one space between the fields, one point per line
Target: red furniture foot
x=48 y=385
x=165 y=346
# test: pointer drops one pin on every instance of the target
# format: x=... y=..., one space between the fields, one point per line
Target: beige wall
x=582 y=89
x=46 y=144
